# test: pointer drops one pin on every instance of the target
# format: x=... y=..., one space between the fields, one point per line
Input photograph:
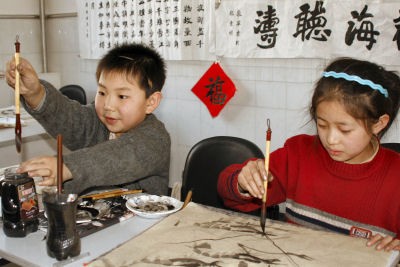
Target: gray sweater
x=139 y=158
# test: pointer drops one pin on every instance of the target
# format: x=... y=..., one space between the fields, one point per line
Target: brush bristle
x=18 y=143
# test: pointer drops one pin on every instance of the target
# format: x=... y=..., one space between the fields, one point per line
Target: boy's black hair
x=138 y=62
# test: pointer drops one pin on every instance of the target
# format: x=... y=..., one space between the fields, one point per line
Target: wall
x=27 y=29
x=278 y=89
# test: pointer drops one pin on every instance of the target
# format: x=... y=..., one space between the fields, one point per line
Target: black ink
x=267 y=22
x=215 y=93
x=311 y=23
x=396 y=37
x=365 y=32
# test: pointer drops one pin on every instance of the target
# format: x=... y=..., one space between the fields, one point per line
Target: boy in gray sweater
x=115 y=141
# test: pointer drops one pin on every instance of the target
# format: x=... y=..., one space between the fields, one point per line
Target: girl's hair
x=355 y=88
x=137 y=62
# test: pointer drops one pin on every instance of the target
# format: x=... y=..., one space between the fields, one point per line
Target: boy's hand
x=251 y=178
x=386 y=243
x=30 y=87
x=45 y=167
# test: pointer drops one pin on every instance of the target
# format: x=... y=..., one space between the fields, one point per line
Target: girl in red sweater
x=341 y=179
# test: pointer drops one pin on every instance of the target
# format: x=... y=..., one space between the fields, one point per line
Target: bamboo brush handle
x=112 y=193
x=17 y=77
x=267 y=150
x=59 y=164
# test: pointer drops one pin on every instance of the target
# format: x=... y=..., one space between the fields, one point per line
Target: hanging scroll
x=202 y=29
x=308 y=29
x=178 y=29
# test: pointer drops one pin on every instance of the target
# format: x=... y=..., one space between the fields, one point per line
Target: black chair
x=207 y=159
x=75 y=92
x=392 y=146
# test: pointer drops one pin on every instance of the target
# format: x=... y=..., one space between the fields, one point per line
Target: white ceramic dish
x=153 y=206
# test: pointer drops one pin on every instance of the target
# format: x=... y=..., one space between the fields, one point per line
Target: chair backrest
x=207 y=159
x=392 y=146
x=75 y=92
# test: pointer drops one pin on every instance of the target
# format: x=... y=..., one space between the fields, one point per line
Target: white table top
x=31 y=250
x=30 y=128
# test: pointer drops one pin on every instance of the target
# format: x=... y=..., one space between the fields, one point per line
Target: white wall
x=278 y=89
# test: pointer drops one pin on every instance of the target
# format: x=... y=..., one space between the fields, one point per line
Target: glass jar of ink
x=19 y=203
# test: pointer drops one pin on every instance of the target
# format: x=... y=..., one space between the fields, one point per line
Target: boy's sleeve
x=141 y=154
x=58 y=114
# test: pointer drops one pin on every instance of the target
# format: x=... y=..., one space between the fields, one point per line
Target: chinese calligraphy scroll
x=309 y=29
x=198 y=30
x=178 y=29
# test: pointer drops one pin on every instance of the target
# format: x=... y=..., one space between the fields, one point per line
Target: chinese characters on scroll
x=197 y=30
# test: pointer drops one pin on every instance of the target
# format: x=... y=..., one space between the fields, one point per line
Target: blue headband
x=357 y=79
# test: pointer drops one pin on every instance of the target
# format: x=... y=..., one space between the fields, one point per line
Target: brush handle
x=18 y=138
x=266 y=163
x=187 y=199
x=115 y=194
x=17 y=77
x=265 y=182
x=59 y=164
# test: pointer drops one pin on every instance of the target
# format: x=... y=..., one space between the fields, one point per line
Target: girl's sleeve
x=229 y=192
x=228 y=184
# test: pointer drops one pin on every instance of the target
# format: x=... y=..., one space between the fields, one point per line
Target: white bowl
x=147 y=206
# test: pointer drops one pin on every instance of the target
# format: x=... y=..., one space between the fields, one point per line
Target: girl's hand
x=251 y=178
x=386 y=243
x=45 y=167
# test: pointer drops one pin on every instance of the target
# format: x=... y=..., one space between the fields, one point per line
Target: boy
x=115 y=141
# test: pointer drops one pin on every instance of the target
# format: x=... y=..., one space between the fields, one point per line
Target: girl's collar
x=375 y=147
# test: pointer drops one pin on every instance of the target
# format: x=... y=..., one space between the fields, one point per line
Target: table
x=35 y=140
x=31 y=250
x=200 y=235
x=31 y=127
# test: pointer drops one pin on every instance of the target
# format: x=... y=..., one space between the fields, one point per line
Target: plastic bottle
x=20 y=209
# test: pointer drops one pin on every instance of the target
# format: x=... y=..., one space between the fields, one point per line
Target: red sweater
x=355 y=199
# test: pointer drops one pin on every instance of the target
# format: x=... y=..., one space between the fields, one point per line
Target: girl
x=340 y=179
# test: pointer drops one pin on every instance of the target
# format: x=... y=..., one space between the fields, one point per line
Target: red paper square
x=214 y=89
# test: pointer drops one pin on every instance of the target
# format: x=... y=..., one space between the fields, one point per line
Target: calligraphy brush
x=59 y=164
x=18 y=139
x=187 y=199
x=264 y=199
x=113 y=193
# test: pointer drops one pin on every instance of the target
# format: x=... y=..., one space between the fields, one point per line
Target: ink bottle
x=19 y=204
